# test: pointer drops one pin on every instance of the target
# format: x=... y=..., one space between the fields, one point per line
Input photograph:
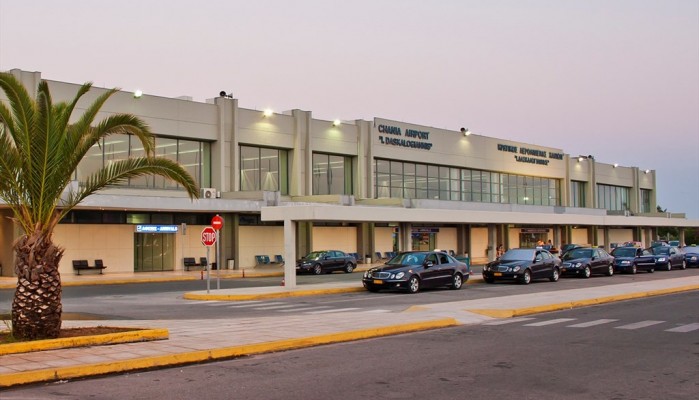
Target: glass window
x=645 y=201
x=249 y=168
x=263 y=168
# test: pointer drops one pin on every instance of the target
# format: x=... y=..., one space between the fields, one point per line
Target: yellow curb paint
x=263 y=296
x=518 y=312
x=141 y=335
x=20 y=378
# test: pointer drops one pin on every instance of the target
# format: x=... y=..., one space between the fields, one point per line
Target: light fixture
x=580 y=158
x=137 y=94
x=647 y=171
x=267 y=113
x=223 y=93
x=616 y=165
x=337 y=122
x=465 y=131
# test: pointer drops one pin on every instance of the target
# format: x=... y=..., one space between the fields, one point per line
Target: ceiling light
x=337 y=122
x=267 y=113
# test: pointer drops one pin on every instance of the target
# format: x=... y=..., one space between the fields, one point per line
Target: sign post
x=217 y=223
x=208 y=239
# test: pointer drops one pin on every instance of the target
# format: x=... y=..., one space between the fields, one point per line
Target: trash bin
x=367 y=259
x=230 y=263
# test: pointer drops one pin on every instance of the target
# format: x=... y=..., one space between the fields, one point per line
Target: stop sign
x=217 y=222
x=208 y=236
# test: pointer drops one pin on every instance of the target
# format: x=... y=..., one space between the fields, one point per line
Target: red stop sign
x=208 y=236
x=217 y=222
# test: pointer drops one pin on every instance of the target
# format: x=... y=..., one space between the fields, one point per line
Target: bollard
x=282 y=282
x=201 y=275
x=243 y=272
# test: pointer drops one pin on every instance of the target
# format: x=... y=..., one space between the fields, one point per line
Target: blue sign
x=157 y=228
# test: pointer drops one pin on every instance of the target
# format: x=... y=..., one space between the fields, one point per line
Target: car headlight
x=576 y=265
x=516 y=268
x=662 y=259
x=400 y=275
x=693 y=258
x=625 y=262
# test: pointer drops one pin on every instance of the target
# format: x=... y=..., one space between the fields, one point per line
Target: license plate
x=563 y=270
x=498 y=274
x=378 y=282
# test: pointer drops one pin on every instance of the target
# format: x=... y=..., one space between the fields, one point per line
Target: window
x=332 y=174
x=263 y=168
x=193 y=156
x=613 y=198
x=645 y=201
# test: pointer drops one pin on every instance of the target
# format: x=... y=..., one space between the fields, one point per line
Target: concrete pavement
x=193 y=341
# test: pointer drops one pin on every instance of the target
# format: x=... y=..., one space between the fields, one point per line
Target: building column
x=304 y=233
x=681 y=237
x=463 y=239
x=365 y=241
x=290 y=254
x=607 y=244
x=492 y=241
x=405 y=230
x=557 y=236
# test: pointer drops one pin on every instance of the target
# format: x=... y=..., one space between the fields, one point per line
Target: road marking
x=684 y=328
x=376 y=311
x=592 y=323
x=255 y=304
x=639 y=325
x=304 y=308
x=275 y=307
x=551 y=322
x=509 y=321
x=332 y=311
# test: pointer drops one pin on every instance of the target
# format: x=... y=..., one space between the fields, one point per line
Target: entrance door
x=154 y=252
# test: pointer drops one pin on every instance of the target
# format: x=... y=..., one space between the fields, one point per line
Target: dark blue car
x=631 y=259
x=668 y=257
x=691 y=256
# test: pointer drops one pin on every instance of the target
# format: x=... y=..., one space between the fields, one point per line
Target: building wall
x=335 y=238
x=114 y=244
x=620 y=235
x=259 y=240
x=383 y=239
x=514 y=238
x=479 y=243
x=580 y=236
x=446 y=239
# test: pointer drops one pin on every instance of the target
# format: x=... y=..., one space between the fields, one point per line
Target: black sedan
x=584 y=262
x=523 y=265
x=631 y=259
x=668 y=257
x=691 y=256
x=415 y=270
x=326 y=261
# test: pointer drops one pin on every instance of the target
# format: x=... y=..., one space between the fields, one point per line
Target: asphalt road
x=640 y=349
x=164 y=300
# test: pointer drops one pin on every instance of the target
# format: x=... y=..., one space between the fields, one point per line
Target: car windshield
x=661 y=250
x=407 y=259
x=624 y=252
x=314 y=255
x=518 y=255
x=691 y=249
x=578 y=253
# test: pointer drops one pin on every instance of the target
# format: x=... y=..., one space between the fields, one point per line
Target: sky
x=617 y=79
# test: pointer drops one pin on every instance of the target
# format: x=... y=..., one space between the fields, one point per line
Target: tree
x=40 y=151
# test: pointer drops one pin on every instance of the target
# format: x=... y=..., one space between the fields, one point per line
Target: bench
x=82 y=265
x=261 y=260
x=190 y=262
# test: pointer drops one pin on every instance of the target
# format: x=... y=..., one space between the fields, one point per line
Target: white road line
x=592 y=323
x=275 y=307
x=332 y=311
x=255 y=304
x=639 y=325
x=304 y=308
x=376 y=311
x=684 y=328
x=509 y=321
x=550 y=322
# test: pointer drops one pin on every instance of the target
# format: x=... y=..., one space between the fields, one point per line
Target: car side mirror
x=429 y=264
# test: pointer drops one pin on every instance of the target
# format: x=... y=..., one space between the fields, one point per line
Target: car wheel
x=555 y=275
x=633 y=269
x=414 y=284
x=457 y=281
x=317 y=269
x=668 y=267
x=586 y=272
x=684 y=264
x=610 y=270
x=489 y=280
x=526 y=277
x=349 y=268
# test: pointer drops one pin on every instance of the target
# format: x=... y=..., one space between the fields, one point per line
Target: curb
x=53 y=374
x=134 y=335
x=519 y=312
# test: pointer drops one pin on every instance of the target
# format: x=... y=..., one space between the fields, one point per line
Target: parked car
x=630 y=259
x=326 y=261
x=667 y=257
x=415 y=270
x=523 y=265
x=691 y=256
x=584 y=262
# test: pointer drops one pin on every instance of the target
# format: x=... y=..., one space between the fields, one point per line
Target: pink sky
x=615 y=79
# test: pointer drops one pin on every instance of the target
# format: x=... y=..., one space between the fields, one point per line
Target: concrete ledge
x=277 y=294
x=518 y=312
x=21 y=378
x=134 y=335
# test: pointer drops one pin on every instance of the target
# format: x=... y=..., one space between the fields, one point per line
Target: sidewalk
x=188 y=342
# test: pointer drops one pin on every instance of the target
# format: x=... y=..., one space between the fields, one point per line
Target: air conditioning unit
x=208 y=193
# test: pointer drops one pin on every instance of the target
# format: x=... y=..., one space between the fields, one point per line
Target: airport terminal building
x=287 y=183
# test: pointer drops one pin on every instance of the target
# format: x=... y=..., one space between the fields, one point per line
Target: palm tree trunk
x=37 y=308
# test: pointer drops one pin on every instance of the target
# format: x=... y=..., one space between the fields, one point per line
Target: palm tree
x=40 y=150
